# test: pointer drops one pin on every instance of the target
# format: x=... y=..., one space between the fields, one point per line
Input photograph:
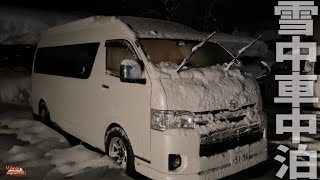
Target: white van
x=113 y=83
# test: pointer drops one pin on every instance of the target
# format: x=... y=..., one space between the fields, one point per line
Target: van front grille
x=219 y=142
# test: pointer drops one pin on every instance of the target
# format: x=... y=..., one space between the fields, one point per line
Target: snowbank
x=48 y=155
x=77 y=159
x=15 y=87
x=29 y=130
x=23 y=26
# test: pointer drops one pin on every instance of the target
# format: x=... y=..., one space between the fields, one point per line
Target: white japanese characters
x=296 y=17
x=296 y=128
x=296 y=88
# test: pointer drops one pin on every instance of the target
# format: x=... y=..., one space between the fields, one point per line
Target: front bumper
x=187 y=144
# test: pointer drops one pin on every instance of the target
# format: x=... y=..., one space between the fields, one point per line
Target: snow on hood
x=207 y=89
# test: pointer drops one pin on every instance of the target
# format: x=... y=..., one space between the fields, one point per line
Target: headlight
x=163 y=120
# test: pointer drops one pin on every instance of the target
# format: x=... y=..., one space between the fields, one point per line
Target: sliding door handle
x=105 y=86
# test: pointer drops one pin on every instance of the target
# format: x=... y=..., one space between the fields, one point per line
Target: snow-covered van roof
x=155 y=28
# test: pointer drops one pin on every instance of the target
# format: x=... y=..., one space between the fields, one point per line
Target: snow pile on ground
x=15 y=87
x=77 y=159
x=45 y=154
x=29 y=130
x=23 y=26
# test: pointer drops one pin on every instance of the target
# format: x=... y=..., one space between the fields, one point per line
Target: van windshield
x=174 y=51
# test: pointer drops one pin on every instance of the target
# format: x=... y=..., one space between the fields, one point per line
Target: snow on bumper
x=193 y=166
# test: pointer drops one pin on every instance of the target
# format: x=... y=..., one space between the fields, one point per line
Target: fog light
x=174 y=161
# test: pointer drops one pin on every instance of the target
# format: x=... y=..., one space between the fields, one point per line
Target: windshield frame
x=188 y=41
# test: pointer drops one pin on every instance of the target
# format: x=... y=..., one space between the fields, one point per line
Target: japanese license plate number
x=239 y=157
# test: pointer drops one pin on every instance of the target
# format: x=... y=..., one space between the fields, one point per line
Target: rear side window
x=74 y=61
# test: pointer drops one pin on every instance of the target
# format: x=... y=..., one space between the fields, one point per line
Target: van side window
x=116 y=51
x=74 y=61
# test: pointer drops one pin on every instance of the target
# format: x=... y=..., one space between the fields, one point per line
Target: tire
x=44 y=115
x=117 y=136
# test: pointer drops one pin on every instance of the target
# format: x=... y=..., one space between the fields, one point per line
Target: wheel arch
x=36 y=106
x=41 y=101
x=130 y=169
x=112 y=125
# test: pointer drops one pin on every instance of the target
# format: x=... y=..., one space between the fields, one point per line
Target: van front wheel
x=118 y=147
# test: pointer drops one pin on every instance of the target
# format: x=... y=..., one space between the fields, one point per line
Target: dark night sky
x=249 y=16
x=229 y=13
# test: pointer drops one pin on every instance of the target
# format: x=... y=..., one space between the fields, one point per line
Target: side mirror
x=265 y=67
x=130 y=71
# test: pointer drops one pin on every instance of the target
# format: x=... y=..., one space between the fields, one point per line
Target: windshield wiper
x=240 y=52
x=194 y=49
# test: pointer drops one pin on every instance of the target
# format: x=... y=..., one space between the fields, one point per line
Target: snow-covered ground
x=46 y=154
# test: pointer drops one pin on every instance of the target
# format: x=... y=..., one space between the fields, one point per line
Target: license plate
x=239 y=157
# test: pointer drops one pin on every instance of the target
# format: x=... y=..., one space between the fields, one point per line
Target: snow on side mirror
x=265 y=66
x=130 y=71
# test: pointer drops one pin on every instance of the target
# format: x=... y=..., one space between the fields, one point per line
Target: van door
x=128 y=103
